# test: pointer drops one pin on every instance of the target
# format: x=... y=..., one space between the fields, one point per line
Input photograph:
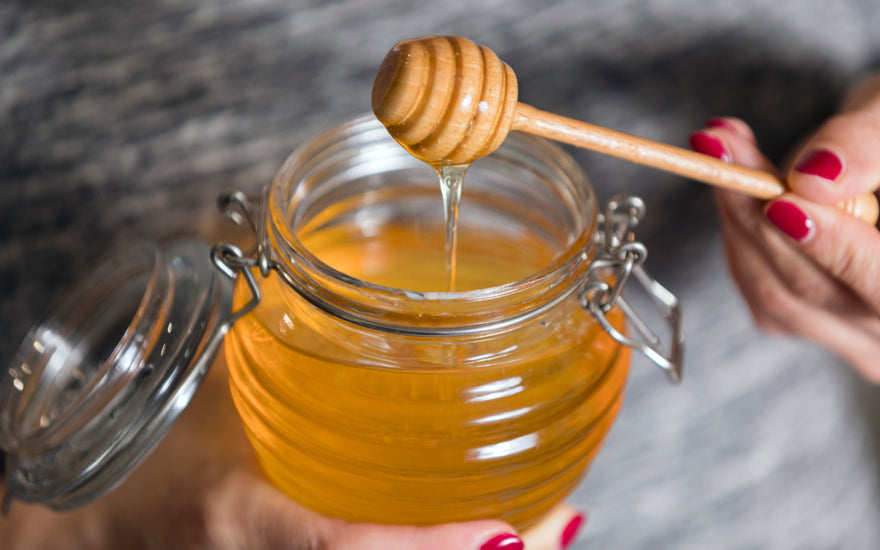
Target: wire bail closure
x=230 y=260
x=619 y=257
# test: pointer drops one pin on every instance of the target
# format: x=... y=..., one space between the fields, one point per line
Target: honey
x=451 y=178
x=496 y=428
x=372 y=393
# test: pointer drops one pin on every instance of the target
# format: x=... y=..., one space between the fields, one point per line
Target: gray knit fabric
x=122 y=119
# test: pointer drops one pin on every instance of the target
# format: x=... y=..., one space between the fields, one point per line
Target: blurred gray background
x=121 y=119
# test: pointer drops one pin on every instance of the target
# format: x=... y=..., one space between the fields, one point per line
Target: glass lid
x=95 y=386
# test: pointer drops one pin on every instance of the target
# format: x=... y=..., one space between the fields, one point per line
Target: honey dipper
x=451 y=101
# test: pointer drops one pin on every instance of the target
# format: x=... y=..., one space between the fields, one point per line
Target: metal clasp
x=231 y=261
x=618 y=258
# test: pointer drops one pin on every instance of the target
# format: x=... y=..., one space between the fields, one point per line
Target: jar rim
x=311 y=276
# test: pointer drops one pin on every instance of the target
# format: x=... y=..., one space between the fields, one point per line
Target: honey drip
x=451 y=181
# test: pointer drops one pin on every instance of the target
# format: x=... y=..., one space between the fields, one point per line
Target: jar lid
x=95 y=386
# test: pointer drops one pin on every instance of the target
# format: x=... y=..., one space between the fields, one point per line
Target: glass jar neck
x=355 y=174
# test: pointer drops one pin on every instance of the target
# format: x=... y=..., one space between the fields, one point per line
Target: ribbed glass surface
x=370 y=423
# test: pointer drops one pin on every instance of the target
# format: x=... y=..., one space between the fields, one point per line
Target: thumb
x=247 y=512
x=846 y=247
x=472 y=535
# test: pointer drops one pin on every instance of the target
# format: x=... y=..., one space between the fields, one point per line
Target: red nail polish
x=822 y=163
x=702 y=142
x=504 y=541
x=570 y=532
x=720 y=123
x=790 y=219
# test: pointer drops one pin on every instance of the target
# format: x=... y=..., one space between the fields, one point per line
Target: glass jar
x=372 y=386
x=372 y=393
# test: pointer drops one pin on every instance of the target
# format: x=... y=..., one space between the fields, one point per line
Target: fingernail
x=504 y=541
x=790 y=219
x=822 y=163
x=720 y=123
x=571 y=530
x=702 y=142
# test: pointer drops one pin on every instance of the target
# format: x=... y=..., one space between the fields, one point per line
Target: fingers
x=838 y=162
x=788 y=293
x=845 y=256
x=846 y=248
x=247 y=512
x=730 y=139
x=474 y=535
x=771 y=274
x=256 y=516
x=557 y=531
x=803 y=268
x=751 y=239
x=841 y=160
x=842 y=322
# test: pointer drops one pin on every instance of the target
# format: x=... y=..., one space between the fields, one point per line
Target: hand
x=804 y=267
x=201 y=488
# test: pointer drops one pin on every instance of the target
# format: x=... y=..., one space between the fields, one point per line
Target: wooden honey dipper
x=451 y=101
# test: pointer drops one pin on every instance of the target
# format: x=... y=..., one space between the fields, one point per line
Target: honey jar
x=373 y=384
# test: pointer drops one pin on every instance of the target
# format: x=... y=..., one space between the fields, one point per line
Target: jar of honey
x=372 y=392
x=383 y=376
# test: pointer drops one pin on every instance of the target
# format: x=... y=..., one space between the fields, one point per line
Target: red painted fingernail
x=720 y=123
x=504 y=541
x=571 y=530
x=702 y=142
x=822 y=163
x=790 y=219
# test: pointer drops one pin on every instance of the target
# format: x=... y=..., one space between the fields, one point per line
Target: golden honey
x=371 y=394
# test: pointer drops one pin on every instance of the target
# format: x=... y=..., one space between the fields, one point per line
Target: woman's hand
x=201 y=488
x=804 y=267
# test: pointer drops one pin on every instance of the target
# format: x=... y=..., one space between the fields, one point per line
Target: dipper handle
x=451 y=101
x=757 y=183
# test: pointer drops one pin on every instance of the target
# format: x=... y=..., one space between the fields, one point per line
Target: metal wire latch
x=231 y=261
x=619 y=257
